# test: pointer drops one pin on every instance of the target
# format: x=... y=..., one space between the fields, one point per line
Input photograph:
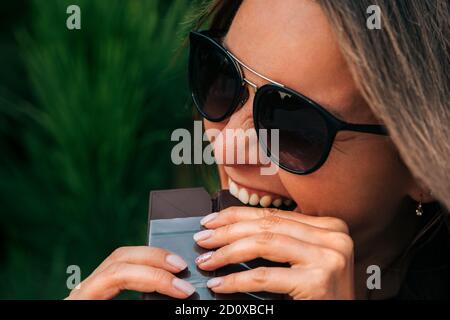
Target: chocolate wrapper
x=174 y=217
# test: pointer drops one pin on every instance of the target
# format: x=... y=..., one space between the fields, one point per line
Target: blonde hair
x=402 y=70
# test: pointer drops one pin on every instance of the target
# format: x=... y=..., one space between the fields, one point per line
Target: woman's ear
x=419 y=192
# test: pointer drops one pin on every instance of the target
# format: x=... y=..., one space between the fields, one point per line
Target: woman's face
x=363 y=181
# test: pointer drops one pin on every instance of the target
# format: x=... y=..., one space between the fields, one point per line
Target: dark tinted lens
x=213 y=78
x=303 y=133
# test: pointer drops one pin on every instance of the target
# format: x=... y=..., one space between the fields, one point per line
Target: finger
x=236 y=214
x=124 y=276
x=299 y=283
x=277 y=280
x=145 y=255
x=220 y=236
x=271 y=246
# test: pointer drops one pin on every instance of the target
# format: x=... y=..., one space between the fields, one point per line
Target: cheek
x=360 y=183
x=213 y=125
x=212 y=131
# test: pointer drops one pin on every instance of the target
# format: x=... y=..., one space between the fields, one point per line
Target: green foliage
x=91 y=138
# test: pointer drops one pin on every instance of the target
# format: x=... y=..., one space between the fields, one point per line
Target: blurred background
x=85 y=123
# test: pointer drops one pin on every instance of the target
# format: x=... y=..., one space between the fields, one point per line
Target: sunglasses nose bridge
x=251 y=84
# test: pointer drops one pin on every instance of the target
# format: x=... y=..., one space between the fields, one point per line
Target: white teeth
x=277 y=202
x=243 y=195
x=265 y=201
x=233 y=188
x=254 y=199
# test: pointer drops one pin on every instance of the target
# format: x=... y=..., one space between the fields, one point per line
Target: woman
x=366 y=201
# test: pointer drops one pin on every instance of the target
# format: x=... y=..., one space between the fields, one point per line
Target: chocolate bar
x=174 y=217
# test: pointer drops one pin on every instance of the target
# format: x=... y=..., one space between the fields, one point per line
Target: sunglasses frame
x=334 y=124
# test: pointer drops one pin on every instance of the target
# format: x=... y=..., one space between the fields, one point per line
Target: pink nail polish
x=176 y=261
x=204 y=257
x=183 y=286
x=214 y=282
x=203 y=235
x=210 y=217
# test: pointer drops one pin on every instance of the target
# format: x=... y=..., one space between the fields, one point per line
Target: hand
x=144 y=269
x=318 y=249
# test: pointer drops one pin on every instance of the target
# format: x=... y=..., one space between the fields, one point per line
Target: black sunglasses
x=306 y=131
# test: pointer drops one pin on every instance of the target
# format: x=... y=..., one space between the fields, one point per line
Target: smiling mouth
x=255 y=197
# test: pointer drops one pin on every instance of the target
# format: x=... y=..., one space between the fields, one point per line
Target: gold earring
x=419 y=210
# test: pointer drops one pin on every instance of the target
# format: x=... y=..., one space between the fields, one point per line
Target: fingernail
x=176 y=261
x=210 y=217
x=204 y=257
x=203 y=235
x=183 y=286
x=214 y=282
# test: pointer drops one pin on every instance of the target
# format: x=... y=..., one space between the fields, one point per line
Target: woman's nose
x=240 y=117
x=238 y=143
